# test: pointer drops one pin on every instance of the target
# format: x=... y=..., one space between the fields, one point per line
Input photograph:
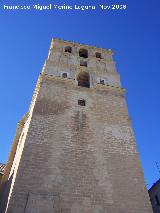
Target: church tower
x=74 y=151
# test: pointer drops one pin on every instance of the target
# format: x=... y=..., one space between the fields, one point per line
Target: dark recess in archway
x=83 y=79
x=83 y=53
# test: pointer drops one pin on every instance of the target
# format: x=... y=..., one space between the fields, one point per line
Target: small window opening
x=82 y=102
x=83 y=53
x=101 y=81
x=83 y=63
x=157 y=200
x=64 y=75
x=98 y=55
x=83 y=79
x=68 y=49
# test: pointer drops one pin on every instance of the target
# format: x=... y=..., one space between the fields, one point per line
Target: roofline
x=158 y=181
x=98 y=48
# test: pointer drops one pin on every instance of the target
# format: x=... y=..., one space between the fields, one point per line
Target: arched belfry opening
x=68 y=49
x=83 y=53
x=83 y=79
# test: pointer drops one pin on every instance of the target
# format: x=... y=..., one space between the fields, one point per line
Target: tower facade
x=74 y=151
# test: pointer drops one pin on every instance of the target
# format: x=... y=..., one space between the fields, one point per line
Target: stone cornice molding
x=97 y=87
x=65 y=42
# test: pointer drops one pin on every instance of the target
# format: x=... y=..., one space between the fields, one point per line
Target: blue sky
x=132 y=34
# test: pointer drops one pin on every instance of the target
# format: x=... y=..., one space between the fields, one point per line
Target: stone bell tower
x=74 y=151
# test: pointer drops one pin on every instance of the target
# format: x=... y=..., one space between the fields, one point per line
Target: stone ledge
x=108 y=51
x=71 y=82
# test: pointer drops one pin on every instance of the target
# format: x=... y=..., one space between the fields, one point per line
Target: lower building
x=154 y=193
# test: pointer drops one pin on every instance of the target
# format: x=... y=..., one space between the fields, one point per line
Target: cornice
x=97 y=87
x=108 y=51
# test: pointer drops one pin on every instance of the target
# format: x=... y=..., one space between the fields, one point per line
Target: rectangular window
x=64 y=75
x=101 y=81
x=82 y=102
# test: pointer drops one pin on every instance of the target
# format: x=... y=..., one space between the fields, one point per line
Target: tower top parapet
x=70 y=59
x=72 y=43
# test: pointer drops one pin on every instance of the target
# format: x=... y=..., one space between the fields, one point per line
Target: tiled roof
x=2 y=168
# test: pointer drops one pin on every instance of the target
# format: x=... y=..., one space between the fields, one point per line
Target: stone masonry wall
x=79 y=159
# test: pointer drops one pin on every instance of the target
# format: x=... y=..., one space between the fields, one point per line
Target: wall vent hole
x=82 y=102
x=102 y=81
x=64 y=75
